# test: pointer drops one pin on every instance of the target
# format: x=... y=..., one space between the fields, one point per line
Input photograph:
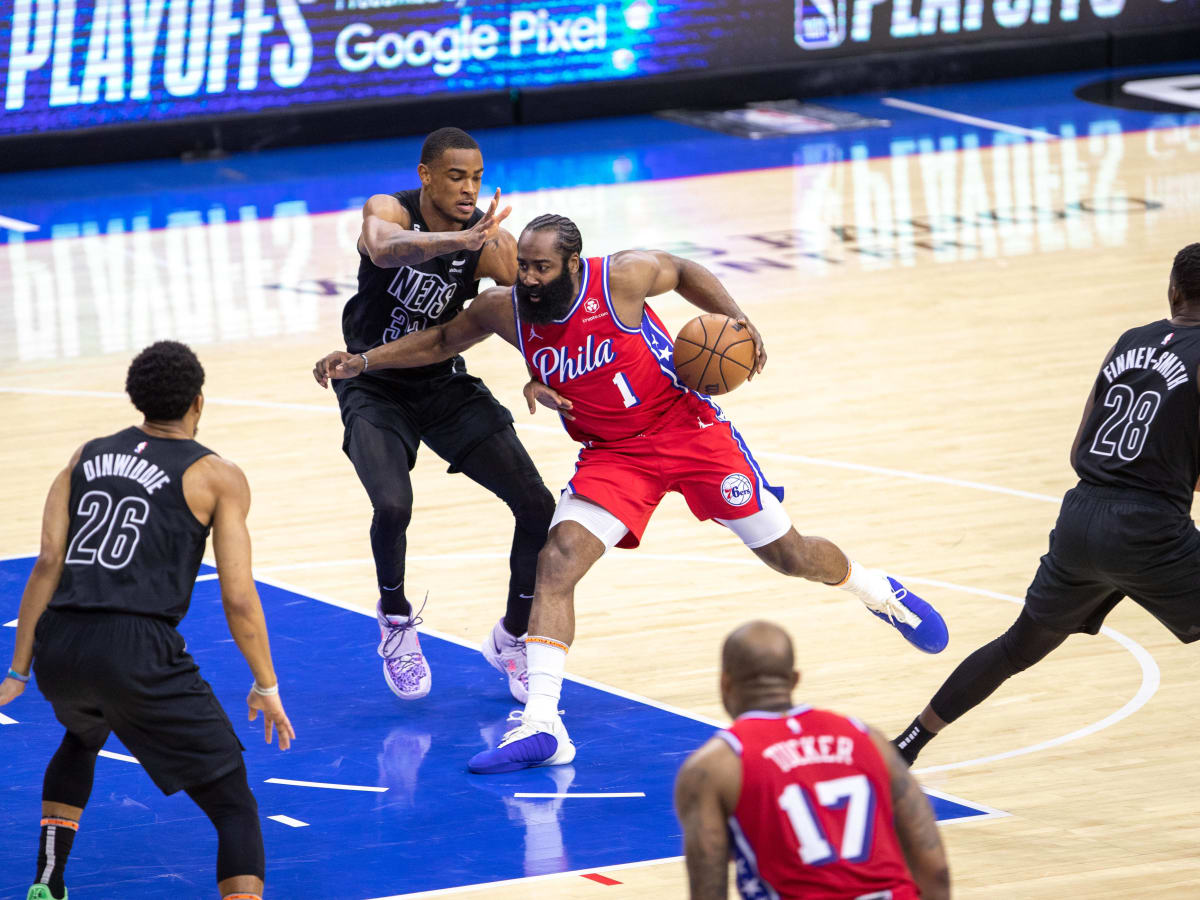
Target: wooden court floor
x=933 y=322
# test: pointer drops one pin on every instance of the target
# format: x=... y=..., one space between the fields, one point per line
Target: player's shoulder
x=387 y=207
x=627 y=261
x=221 y=474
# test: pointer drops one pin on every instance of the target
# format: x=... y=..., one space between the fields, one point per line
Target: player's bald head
x=758 y=651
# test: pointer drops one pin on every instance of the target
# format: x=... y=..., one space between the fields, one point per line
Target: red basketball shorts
x=694 y=453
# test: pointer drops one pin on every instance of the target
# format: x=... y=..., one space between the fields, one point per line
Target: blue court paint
x=434 y=827
x=332 y=178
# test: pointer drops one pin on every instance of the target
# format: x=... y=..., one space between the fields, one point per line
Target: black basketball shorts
x=452 y=412
x=131 y=675
x=1112 y=543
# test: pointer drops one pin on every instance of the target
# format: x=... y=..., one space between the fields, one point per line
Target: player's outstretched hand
x=536 y=392
x=10 y=690
x=760 y=353
x=274 y=718
x=485 y=229
x=337 y=364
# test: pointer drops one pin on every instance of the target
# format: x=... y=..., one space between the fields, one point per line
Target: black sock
x=913 y=740
x=393 y=602
x=58 y=835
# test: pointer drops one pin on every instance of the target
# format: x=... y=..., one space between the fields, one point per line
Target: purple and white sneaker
x=405 y=668
x=507 y=654
x=526 y=746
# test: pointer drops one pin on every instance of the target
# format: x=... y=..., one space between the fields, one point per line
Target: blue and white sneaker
x=526 y=746
x=921 y=624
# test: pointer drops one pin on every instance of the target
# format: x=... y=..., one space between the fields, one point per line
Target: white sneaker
x=527 y=745
x=507 y=654
x=405 y=668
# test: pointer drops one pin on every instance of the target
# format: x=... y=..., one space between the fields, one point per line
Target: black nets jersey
x=391 y=303
x=133 y=545
x=1144 y=428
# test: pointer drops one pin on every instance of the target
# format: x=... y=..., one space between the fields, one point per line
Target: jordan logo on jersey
x=551 y=361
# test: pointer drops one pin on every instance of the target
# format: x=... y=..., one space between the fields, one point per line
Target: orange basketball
x=713 y=354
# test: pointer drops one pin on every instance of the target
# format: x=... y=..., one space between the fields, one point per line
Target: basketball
x=713 y=354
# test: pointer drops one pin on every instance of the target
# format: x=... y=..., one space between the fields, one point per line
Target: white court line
x=986 y=812
x=17 y=225
x=7 y=720
x=121 y=756
x=324 y=784
x=523 y=795
x=1150 y=671
x=786 y=457
x=211 y=576
x=288 y=820
x=12 y=624
x=967 y=120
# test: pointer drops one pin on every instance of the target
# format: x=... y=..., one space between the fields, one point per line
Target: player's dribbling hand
x=485 y=229
x=10 y=690
x=536 y=392
x=760 y=353
x=274 y=718
x=337 y=364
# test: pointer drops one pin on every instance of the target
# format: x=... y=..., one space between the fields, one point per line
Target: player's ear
x=573 y=264
x=424 y=174
x=795 y=678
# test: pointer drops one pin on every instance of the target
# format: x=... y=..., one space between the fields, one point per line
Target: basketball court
x=935 y=293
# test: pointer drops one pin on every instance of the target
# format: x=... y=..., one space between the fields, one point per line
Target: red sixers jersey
x=814 y=819
x=620 y=380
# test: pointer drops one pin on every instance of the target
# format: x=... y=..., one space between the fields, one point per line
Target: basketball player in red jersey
x=601 y=357
x=808 y=803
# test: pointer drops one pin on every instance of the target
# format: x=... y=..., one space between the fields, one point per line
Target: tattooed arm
x=915 y=826
x=706 y=793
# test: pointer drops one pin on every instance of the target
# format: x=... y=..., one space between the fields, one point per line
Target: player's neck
x=773 y=702
x=434 y=219
x=1185 y=316
x=177 y=430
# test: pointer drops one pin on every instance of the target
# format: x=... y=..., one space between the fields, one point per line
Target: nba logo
x=140 y=447
x=820 y=24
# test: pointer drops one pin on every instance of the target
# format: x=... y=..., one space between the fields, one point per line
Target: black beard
x=553 y=301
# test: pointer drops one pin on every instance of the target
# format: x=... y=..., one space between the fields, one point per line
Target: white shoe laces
x=893 y=607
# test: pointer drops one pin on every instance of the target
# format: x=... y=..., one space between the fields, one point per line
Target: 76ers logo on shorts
x=737 y=489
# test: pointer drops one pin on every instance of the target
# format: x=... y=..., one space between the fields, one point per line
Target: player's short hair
x=445 y=139
x=1186 y=272
x=567 y=240
x=163 y=380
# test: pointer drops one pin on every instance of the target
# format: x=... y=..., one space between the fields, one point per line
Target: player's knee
x=1026 y=643
x=231 y=807
x=553 y=563
x=534 y=510
x=393 y=511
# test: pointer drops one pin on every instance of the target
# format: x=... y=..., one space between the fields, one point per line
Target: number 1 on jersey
x=627 y=394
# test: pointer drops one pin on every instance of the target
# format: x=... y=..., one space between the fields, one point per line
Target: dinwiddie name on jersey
x=125 y=465
x=1166 y=364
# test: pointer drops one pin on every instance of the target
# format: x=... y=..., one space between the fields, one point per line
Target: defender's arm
x=490 y=313
x=43 y=580
x=388 y=239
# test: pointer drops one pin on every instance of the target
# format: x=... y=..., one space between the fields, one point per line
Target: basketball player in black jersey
x=1125 y=530
x=422 y=253
x=123 y=532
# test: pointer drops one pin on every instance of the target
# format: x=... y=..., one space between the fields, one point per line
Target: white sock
x=547 y=660
x=869 y=585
